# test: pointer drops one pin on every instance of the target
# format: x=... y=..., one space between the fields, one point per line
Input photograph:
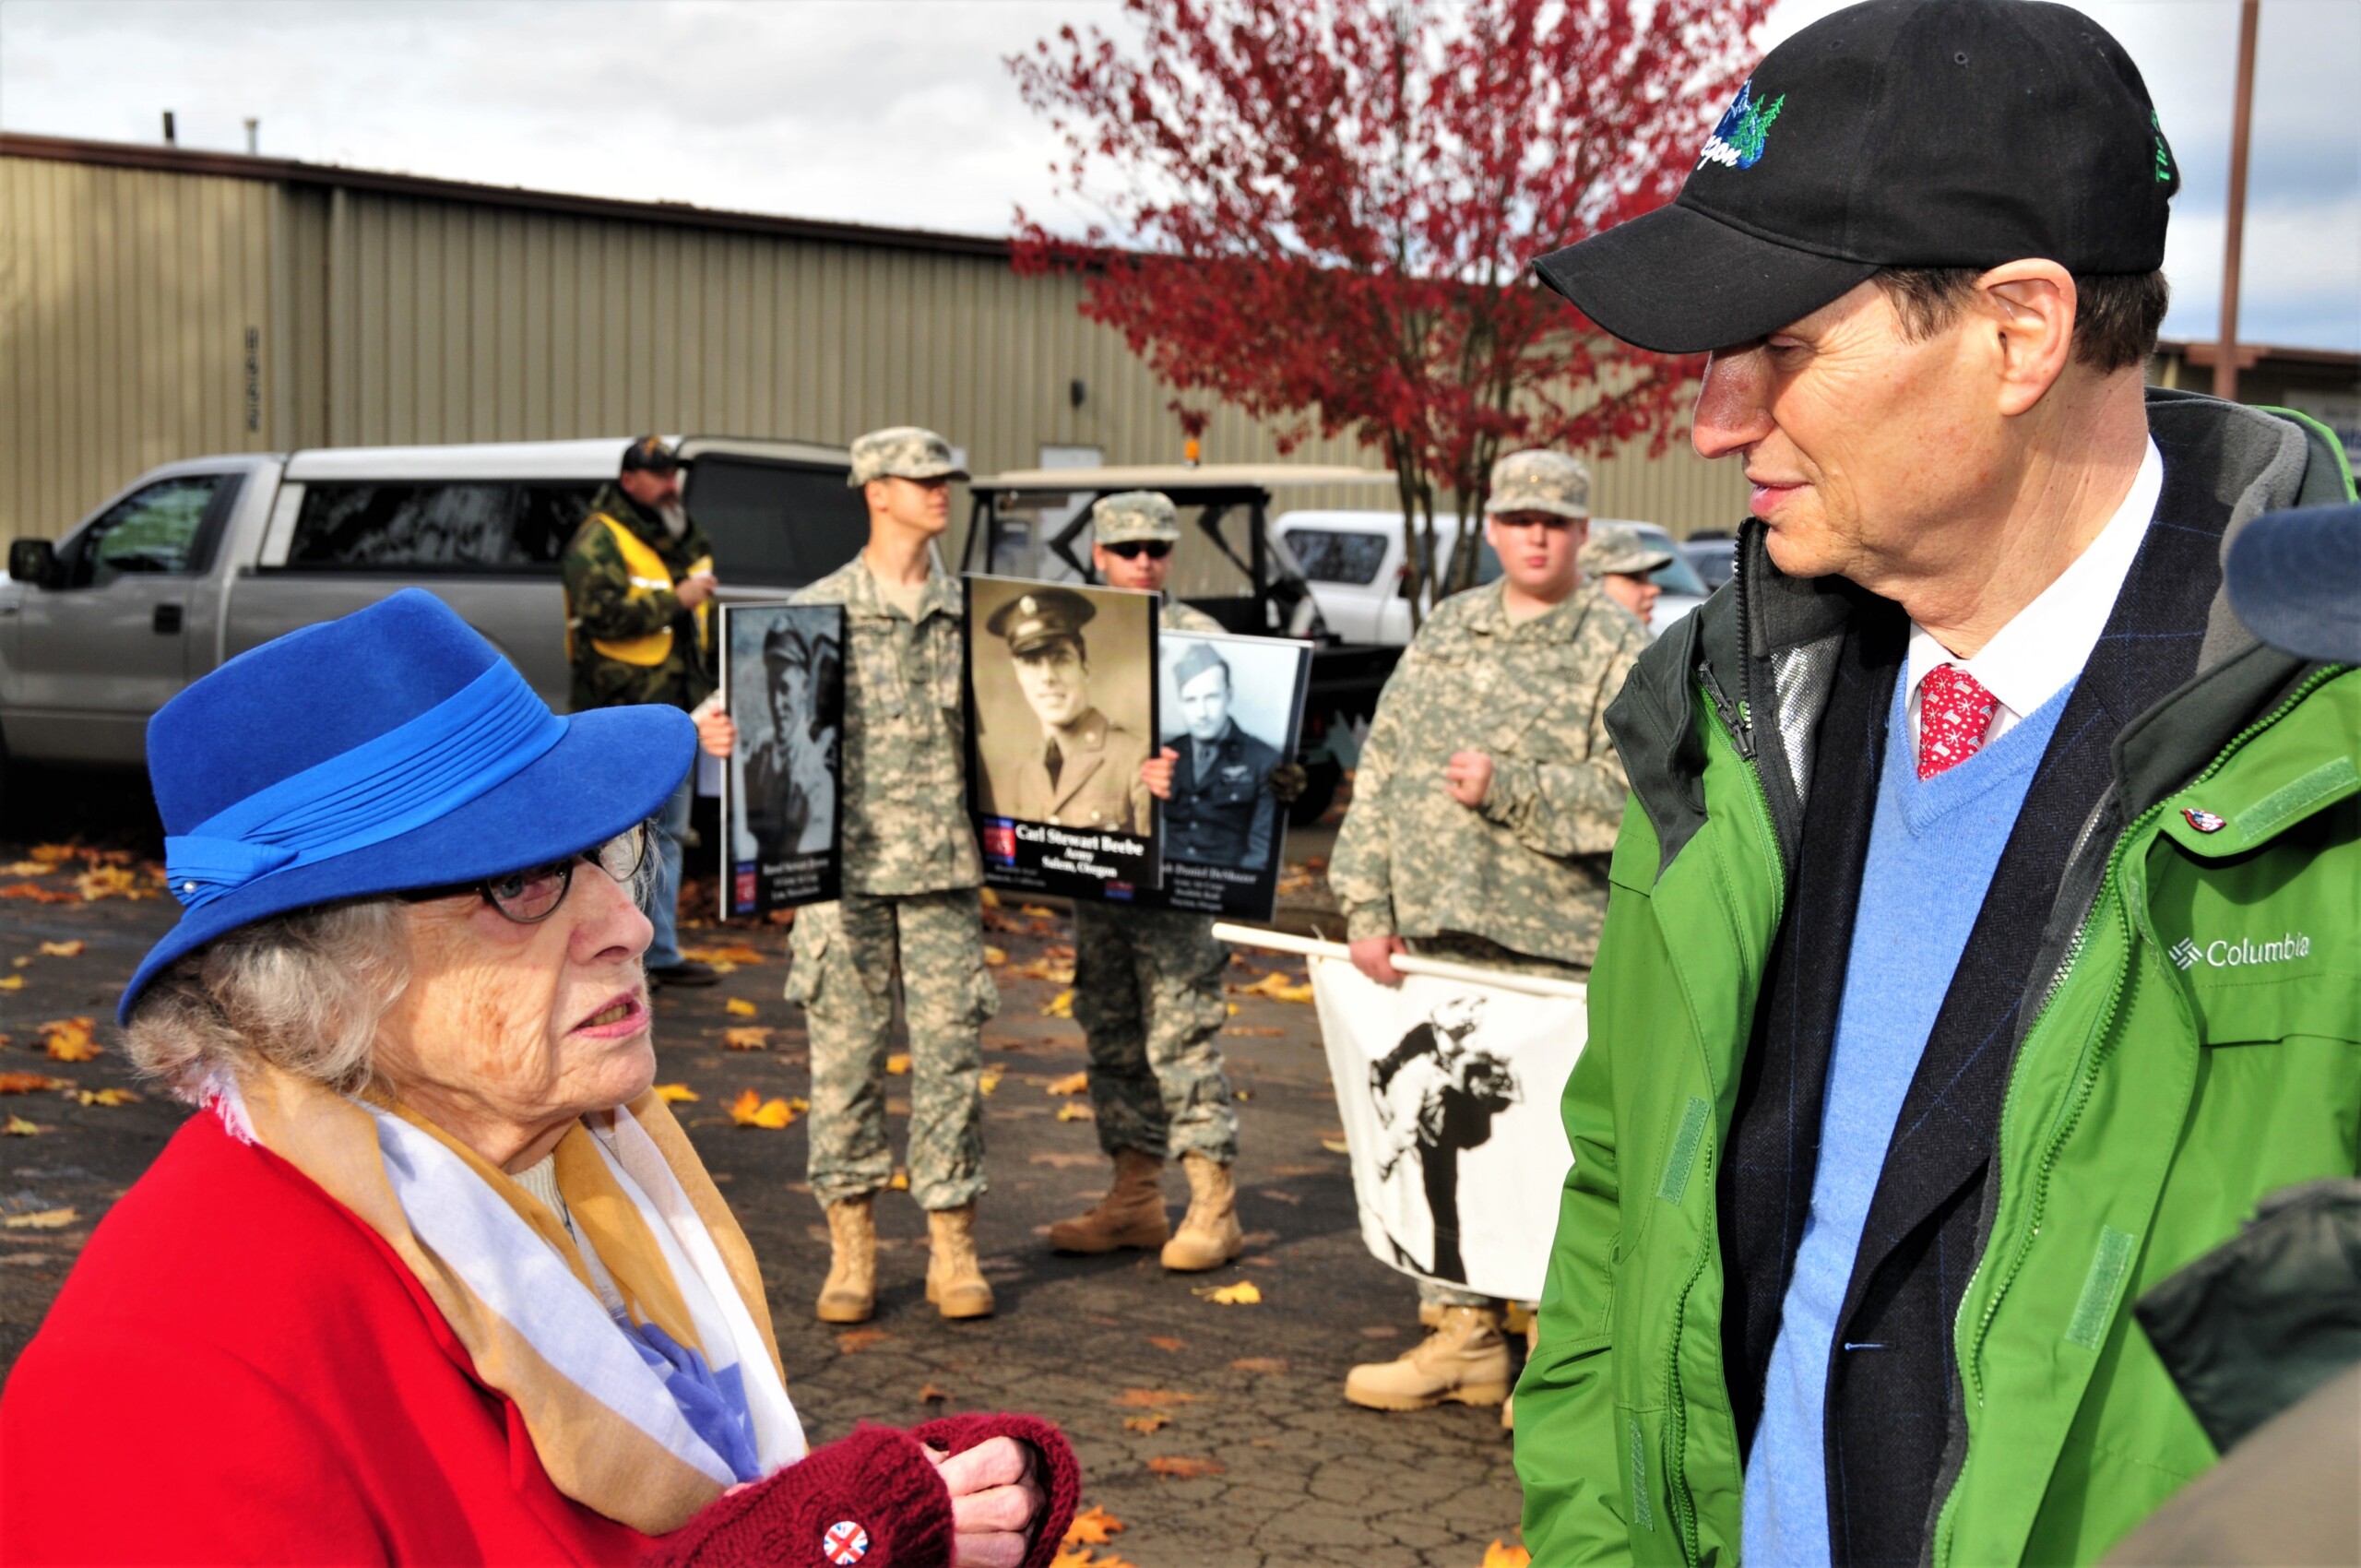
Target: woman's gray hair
x=303 y=991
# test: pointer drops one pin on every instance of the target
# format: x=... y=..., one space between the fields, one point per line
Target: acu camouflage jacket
x=1527 y=868
x=904 y=797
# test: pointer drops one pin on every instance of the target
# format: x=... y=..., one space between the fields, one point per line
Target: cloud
x=903 y=113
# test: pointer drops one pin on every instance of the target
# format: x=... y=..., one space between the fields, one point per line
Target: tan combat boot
x=1131 y=1214
x=1209 y=1236
x=849 y=1294
x=1466 y=1359
x=954 y=1280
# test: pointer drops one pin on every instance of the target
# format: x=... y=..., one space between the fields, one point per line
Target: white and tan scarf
x=641 y=1357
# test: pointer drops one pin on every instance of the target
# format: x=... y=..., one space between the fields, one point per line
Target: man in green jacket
x=1981 y=942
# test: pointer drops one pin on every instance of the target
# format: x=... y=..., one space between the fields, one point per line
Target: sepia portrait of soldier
x=1083 y=769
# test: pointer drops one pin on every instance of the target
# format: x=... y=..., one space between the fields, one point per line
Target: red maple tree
x=1322 y=211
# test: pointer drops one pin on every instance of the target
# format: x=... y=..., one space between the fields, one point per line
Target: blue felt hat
x=2294 y=579
x=392 y=749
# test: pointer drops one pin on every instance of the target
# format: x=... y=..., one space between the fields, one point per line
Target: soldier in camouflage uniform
x=1484 y=812
x=910 y=902
x=638 y=578
x=1147 y=993
x=1620 y=564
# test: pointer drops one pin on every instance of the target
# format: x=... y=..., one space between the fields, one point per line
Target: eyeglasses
x=533 y=895
x=1132 y=549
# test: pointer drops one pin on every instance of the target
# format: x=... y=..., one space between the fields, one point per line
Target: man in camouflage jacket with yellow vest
x=1484 y=809
x=1147 y=993
x=910 y=903
x=638 y=589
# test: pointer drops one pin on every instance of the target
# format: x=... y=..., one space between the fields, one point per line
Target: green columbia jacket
x=2190 y=1041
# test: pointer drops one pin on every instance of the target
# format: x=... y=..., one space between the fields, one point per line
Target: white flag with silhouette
x=1449 y=1088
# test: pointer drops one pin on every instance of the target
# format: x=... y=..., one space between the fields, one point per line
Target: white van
x=1357 y=564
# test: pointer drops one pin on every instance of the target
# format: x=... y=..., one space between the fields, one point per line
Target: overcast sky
x=902 y=112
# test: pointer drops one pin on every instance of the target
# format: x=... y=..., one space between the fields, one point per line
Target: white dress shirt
x=2045 y=646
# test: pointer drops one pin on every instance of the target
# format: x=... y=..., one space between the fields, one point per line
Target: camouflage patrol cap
x=1199 y=659
x=1133 y=516
x=1617 y=548
x=1033 y=621
x=1539 y=481
x=902 y=451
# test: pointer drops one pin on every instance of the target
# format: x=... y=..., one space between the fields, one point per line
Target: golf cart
x=1036 y=523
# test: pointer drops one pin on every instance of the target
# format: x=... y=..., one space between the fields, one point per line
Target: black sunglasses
x=1132 y=549
x=533 y=895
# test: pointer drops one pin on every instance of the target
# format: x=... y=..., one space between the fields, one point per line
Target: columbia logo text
x=2239 y=953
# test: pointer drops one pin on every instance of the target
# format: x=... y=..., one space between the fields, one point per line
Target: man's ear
x=2028 y=307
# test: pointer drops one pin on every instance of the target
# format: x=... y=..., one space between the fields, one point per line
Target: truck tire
x=1324 y=776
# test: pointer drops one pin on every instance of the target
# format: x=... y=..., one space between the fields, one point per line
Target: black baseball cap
x=2294 y=579
x=650 y=454
x=1896 y=133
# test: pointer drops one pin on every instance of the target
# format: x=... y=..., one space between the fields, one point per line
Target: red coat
x=239 y=1371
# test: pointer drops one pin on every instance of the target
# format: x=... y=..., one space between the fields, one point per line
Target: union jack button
x=2204 y=822
x=845 y=1542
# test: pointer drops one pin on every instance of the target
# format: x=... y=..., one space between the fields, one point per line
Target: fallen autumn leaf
x=748 y=1036
x=751 y=1109
x=897 y=1065
x=739 y=1007
x=1186 y=1470
x=31 y=1083
x=1073 y=1083
x=1093 y=1526
x=17 y=1127
x=107 y=1097
x=1156 y=1398
x=1266 y=1366
x=46 y=1219
x=861 y=1339
x=64 y=949
x=676 y=1094
x=1241 y=1294
x=68 y=1040
x=1156 y=1422
x=1075 y=1111
x=1501 y=1555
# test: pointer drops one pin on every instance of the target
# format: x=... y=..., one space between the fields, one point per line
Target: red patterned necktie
x=1954 y=713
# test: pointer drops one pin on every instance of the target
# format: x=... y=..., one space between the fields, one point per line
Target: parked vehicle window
x=1327 y=557
x=776 y=523
x=375 y=527
x=154 y=530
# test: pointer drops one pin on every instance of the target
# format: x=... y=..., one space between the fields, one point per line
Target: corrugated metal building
x=156 y=304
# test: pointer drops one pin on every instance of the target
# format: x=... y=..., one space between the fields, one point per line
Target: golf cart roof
x=1179 y=479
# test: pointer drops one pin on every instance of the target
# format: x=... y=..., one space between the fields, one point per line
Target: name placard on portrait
x=782 y=682
x=1062 y=709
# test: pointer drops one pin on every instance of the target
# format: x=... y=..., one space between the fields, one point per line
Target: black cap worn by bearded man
x=1894 y=134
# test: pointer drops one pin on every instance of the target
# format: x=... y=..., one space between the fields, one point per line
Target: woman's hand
x=716 y=731
x=996 y=1498
x=1468 y=777
x=1373 y=956
x=1156 y=772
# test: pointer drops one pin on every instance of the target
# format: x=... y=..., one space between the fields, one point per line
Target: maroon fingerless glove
x=872 y=1500
x=1061 y=1475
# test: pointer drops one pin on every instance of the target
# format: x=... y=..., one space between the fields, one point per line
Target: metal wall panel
x=128 y=294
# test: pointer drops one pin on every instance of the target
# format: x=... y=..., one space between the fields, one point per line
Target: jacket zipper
x=2087 y=1068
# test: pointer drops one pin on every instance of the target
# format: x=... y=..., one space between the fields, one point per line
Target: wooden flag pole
x=1408 y=963
x=2226 y=352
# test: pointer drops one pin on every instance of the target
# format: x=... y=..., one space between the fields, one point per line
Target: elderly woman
x=434 y=1276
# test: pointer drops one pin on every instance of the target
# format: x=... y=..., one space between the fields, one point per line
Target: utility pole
x=2226 y=352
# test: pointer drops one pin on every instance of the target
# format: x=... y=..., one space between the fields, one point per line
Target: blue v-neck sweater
x=1933 y=846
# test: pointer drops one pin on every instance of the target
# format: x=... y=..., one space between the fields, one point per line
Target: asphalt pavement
x=1217 y=1435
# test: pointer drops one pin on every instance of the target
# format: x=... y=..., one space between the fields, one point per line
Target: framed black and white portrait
x=1232 y=708
x=783 y=684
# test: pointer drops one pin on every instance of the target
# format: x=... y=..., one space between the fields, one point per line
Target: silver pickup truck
x=199 y=561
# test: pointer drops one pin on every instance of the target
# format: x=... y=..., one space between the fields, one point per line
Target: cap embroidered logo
x=845 y=1542
x=1736 y=142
